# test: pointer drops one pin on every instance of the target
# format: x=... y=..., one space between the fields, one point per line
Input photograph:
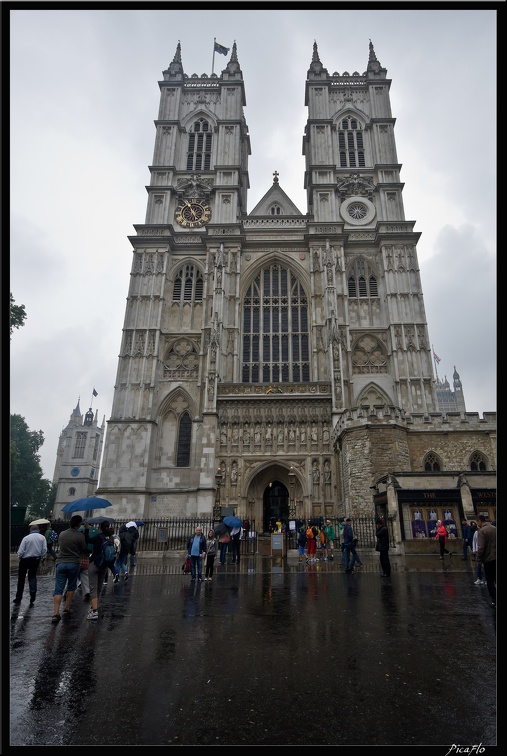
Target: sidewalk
x=268 y=653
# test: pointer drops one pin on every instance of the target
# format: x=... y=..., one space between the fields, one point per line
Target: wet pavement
x=271 y=652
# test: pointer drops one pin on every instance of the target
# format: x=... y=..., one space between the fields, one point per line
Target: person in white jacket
x=478 y=568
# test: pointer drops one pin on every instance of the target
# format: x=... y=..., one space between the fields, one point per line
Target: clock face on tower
x=193 y=213
x=75 y=472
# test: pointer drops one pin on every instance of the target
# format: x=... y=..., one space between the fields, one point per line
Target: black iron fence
x=171 y=534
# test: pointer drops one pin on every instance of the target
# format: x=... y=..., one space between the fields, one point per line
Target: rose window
x=357 y=210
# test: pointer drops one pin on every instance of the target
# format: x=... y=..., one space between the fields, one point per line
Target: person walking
x=486 y=554
x=73 y=548
x=196 y=548
x=98 y=567
x=83 y=580
x=301 y=542
x=211 y=552
x=128 y=535
x=322 y=541
x=132 y=538
x=32 y=550
x=382 y=546
x=473 y=531
x=341 y=527
x=111 y=566
x=311 y=543
x=330 y=536
x=441 y=537
x=478 y=567
x=236 y=544
x=467 y=538
x=224 y=545
x=51 y=541
x=349 y=543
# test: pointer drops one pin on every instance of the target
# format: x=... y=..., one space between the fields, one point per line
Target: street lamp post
x=292 y=503
x=217 y=510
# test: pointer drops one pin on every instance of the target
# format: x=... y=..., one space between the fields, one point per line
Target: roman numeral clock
x=193 y=213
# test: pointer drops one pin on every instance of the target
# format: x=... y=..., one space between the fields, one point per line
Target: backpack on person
x=53 y=536
x=310 y=533
x=106 y=554
x=117 y=545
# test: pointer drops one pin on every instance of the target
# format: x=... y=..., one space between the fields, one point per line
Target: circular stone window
x=357 y=210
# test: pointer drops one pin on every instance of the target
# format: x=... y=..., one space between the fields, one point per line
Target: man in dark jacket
x=382 y=546
x=486 y=554
x=349 y=544
x=467 y=538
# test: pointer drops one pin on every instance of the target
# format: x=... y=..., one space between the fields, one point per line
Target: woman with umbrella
x=235 y=523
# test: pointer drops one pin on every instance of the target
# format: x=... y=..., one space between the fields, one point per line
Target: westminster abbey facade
x=278 y=362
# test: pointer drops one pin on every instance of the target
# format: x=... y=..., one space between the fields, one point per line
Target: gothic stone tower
x=78 y=458
x=283 y=354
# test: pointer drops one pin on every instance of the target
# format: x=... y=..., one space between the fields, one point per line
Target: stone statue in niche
x=234 y=472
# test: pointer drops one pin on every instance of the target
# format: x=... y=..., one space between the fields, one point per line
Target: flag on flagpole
x=435 y=357
x=95 y=393
x=221 y=49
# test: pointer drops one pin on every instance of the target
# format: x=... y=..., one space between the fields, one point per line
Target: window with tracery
x=184 y=441
x=79 y=448
x=275 y=329
x=362 y=281
x=431 y=463
x=199 y=146
x=350 y=143
x=188 y=285
x=477 y=461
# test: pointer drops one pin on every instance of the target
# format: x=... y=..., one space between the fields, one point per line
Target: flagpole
x=213 y=61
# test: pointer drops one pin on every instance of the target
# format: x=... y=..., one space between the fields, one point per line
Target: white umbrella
x=42 y=521
x=129 y=524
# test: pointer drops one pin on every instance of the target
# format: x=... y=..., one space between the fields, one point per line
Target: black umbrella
x=221 y=528
x=98 y=520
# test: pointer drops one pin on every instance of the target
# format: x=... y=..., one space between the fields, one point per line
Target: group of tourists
x=85 y=555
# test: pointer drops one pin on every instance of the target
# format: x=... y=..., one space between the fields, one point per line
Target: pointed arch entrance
x=275 y=504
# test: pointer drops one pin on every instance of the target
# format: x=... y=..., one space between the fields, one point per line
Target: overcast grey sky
x=84 y=98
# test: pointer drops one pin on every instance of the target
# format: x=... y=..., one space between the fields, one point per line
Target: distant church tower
x=276 y=361
x=449 y=400
x=78 y=458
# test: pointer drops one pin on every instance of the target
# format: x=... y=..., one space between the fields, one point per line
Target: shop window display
x=424 y=521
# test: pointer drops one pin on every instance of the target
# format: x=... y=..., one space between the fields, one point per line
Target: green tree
x=27 y=486
x=18 y=315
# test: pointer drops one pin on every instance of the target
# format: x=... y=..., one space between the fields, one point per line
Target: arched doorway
x=275 y=503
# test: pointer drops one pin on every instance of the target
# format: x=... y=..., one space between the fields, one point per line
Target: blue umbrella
x=233 y=522
x=83 y=505
x=139 y=523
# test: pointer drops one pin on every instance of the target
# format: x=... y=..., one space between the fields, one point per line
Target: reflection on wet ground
x=270 y=653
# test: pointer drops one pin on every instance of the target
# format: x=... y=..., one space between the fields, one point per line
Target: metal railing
x=171 y=534
x=163 y=535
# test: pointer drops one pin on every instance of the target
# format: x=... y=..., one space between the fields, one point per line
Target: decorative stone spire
x=372 y=55
x=233 y=66
x=175 y=69
x=374 y=68
x=316 y=66
x=275 y=177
